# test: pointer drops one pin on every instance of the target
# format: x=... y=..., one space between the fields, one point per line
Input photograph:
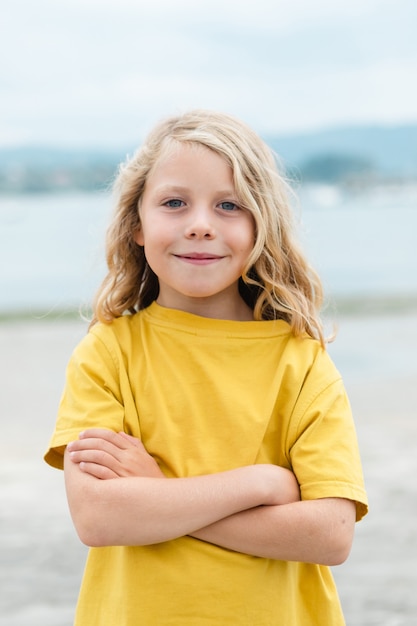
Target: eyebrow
x=172 y=189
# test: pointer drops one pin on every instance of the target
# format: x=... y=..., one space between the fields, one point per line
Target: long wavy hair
x=277 y=283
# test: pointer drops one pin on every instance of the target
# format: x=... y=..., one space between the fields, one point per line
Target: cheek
x=161 y=235
x=149 y=234
x=138 y=237
x=248 y=236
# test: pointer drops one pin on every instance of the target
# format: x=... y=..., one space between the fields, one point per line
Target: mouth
x=199 y=258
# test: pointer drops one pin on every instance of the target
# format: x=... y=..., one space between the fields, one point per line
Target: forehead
x=185 y=161
x=174 y=150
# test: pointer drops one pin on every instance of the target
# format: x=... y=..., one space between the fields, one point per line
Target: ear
x=138 y=237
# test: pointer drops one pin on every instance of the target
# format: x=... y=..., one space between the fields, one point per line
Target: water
x=52 y=246
x=51 y=249
x=363 y=243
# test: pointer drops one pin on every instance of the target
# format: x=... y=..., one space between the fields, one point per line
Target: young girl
x=209 y=451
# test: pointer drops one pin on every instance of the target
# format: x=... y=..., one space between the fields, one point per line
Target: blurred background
x=332 y=87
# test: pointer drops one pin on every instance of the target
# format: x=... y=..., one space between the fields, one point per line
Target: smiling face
x=196 y=237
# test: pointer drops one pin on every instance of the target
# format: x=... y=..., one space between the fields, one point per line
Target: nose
x=200 y=224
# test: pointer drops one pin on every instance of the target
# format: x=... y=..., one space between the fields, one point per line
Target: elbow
x=338 y=553
x=89 y=507
x=338 y=533
x=338 y=545
x=90 y=530
x=99 y=524
x=91 y=521
x=91 y=538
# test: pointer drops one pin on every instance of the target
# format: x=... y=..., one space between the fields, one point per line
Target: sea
x=362 y=242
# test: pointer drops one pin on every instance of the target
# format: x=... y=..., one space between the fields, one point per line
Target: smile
x=198 y=258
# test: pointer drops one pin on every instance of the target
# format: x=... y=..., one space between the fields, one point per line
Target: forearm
x=315 y=531
x=145 y=510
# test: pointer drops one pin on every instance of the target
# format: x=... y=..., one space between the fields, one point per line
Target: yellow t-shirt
x=206 y=396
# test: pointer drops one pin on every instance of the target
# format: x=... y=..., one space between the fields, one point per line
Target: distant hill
x=40 y=169
x=388 y=150
x=372 y=153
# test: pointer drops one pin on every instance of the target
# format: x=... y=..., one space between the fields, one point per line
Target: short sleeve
x=324 y=450
x=91 y=397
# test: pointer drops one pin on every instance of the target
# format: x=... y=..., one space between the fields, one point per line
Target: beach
x=41 y=557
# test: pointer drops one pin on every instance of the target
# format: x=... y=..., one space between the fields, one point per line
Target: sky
x=102 y=72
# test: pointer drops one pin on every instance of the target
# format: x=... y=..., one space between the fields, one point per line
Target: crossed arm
x=118 y=495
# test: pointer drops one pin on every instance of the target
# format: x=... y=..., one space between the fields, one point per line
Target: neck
x=236 y=310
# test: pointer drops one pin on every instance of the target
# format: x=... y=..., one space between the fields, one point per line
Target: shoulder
x=307 y=355
x=108 y=341
x=312 y=375
x=121 y=328
x=321 y=384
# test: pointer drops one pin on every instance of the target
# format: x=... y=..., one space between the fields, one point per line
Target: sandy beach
x=41 y=556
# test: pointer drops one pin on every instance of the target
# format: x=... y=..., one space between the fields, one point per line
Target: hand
x=106 y=454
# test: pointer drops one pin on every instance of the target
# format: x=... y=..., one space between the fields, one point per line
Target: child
x=209 y=451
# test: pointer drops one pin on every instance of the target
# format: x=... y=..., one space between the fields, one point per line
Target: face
x=196 y=237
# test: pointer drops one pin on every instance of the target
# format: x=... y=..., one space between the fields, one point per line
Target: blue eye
x=174 y=204
x=228 y=206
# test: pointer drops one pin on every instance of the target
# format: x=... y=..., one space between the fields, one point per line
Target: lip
x=198 y=258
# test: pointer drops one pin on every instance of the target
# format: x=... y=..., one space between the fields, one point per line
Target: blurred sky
x=101 y=72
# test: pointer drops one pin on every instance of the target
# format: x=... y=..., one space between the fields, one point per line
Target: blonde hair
x=277 y=283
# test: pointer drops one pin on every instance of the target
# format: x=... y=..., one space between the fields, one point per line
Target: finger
x=96 y=443
x=99 y=433
x=97 y=457
x=98 y=471
x=129 y=438
x=107 y=435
